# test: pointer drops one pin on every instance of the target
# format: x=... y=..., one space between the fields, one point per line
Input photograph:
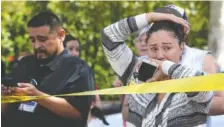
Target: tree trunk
x=216 y=33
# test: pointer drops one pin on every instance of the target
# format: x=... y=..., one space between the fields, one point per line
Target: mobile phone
x=9 y=82
x=146 y=70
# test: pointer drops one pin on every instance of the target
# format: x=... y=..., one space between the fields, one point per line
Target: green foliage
x=85 y=20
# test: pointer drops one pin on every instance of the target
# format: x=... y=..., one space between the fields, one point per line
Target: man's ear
x=61 y=34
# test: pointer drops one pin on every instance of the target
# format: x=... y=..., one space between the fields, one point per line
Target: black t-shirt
x=65 y=74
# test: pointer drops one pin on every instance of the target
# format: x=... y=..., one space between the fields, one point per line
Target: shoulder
x=209 y=64
x=76 y=63
x=27 y=62
x=194 y=55
x=79 y=71
x=208 y=61
x=196 y=51
x=29 y=58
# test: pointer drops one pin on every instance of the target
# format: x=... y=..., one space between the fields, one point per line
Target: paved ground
x=217 y=121
x=114 y=120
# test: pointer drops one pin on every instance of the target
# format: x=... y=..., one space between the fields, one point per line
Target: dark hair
x=44 y=18
x=177 y=29
x=68 y=38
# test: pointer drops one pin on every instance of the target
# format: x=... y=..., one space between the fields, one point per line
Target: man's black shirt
x=65 y=74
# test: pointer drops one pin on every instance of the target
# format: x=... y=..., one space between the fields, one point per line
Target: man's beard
x=44 y=61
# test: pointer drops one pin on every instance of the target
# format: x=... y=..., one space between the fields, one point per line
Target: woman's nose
x=160 y=55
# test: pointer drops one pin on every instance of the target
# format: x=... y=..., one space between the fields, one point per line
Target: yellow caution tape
x=213 y=82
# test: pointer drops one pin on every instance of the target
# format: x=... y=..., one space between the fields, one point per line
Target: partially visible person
x=217 y=107
x=2 y=68
x=140 y=43
x=204 y=61
x=52 y=71
x=72 y=44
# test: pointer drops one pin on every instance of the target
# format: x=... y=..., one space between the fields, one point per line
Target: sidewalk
x=217 y=121
x=115 y=120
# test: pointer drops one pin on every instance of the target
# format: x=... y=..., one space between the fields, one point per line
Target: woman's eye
x=153 y=49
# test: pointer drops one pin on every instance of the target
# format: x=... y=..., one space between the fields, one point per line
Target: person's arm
x=209 y=64
x=176 y=71
x=217 y=105
x=125 y=109
x=59 y=106
x=117 y=52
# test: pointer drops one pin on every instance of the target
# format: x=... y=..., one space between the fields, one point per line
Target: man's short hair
x=44 y=19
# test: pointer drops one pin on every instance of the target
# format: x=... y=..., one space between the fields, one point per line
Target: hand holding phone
x=146 y=70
